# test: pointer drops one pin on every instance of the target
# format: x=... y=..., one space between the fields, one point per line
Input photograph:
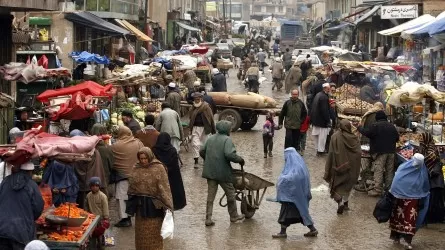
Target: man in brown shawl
x=125 y=157
x=189 y=78
x=201 y=124
x=85 y=170
x=105 y=154
x=293 y=78
x=343 y=164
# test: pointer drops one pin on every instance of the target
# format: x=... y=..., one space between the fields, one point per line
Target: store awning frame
x=90 y=20
x=340 y=26
x=416 y=22
x=367 y=14
x=139 y=34
x=187 y=27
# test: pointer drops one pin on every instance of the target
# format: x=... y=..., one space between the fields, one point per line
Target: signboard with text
x=399 y=11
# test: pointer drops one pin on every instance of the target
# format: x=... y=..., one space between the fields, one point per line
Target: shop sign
x=399 y=11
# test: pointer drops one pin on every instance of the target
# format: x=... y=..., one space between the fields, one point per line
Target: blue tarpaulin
x=428 y=27
x=84 y=57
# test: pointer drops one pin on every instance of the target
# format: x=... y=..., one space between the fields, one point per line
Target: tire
x=247 y=210
x=249 y=121
x=233 y=116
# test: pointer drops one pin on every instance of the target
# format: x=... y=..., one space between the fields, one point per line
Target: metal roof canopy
x=407 y=25
x=139 y=34
x=88 y=19
x=187 y=27
x=368 y=14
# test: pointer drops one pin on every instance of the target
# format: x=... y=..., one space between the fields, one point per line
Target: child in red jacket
x=303 y=131
x=269 y=128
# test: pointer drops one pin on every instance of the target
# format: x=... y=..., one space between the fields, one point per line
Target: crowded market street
x=354 y=229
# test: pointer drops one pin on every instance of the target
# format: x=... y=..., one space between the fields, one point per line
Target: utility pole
x=230 y=10
x=224 y=16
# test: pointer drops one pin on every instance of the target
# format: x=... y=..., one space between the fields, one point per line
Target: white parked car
x=316 y=62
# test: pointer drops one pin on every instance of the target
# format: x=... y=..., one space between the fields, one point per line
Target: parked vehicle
x=290 y=30
x=316 y=62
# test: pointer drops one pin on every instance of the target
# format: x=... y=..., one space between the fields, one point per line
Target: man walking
x=130 y=122
x=261 y=57
x=321 y=119
x=170 y=123
x=174 y=97
x=293 y=78
x=148 y=135
x=219 y=83
x=218 y=152
x=277 y=73
x=292 y=114
x=201 y=124
x=287 y=60
x=383 y=137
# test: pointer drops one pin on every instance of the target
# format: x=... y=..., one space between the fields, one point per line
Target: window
x=257 y=8
x=270 y=9
x=280 y=9
x=237 y=8
x=91 y=5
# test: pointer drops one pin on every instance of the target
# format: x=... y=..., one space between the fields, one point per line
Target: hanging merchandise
x=43 y=61
x=34 y=60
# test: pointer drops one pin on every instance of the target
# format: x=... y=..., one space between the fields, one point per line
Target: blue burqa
x=412 y=182
x=294 y=184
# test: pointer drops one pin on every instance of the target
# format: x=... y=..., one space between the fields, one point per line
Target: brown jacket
x=206 y=111
x=148 y=136
x=293 y=79
x=277 y=70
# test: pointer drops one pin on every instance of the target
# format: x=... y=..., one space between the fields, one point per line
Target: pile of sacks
x=249 y=100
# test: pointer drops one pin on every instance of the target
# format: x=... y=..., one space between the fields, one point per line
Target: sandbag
x=270 y=102
x=220 y=98
x=262 y=102
x=246 y=101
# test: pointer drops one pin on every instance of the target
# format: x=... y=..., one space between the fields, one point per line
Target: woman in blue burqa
x=294 y=194
x=411 y=190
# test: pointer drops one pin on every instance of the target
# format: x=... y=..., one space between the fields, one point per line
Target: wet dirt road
x=356 y=229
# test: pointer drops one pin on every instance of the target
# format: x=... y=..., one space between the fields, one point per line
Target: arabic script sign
x=399 y=11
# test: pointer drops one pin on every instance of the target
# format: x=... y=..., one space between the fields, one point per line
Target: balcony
x=119 y=9
x=29 y=5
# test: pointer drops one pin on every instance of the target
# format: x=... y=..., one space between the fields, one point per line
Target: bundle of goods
x=137 y=73
x=352 y=118
x=251 y=100
x=413 y=93
x=348 y=91
x=203 y=68
x=353 y=106
x=22 y=72
x=413 y=138
x=224 y=64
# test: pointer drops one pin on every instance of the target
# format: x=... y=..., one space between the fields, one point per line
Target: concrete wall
x=318 y=11
x=17 y=5
x=157 y=12
x=62 y=33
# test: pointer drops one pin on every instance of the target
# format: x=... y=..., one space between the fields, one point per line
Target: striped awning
x=139 y=34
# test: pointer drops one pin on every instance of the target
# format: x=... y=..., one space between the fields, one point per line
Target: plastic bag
x=108 y=238
x=167 y=226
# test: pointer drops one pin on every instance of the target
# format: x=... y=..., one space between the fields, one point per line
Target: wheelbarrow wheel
x=246 y=209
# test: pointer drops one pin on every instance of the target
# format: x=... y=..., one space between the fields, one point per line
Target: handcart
x=248 y=188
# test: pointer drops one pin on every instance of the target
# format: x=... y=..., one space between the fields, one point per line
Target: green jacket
x=218 y=151
x=293 y=114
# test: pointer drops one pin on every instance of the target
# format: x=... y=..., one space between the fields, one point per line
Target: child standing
x=303 y=134
x=268 y=134
x=97 y=204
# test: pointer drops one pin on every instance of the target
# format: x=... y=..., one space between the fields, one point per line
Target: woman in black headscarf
x=167 y=154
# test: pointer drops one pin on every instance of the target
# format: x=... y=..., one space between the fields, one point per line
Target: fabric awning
x=139 y=34
x=187 y=27
x=421 y=20
x=367 y=14
x=88 y=19
x=425 y=28
x=33 y=20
